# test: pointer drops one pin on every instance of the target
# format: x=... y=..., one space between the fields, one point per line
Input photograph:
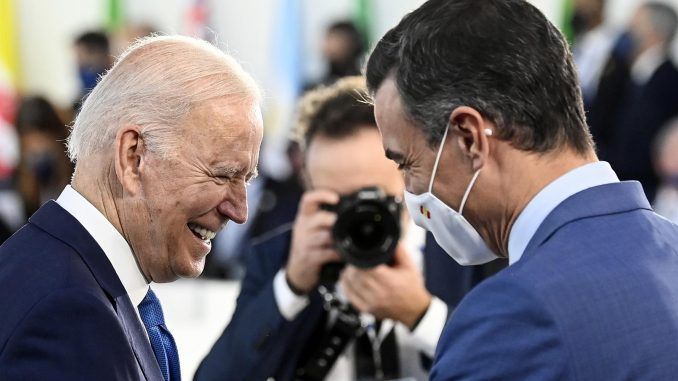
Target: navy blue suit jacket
x=594 y=297
x=625 y=119
x=259 y=343
x=65 y=314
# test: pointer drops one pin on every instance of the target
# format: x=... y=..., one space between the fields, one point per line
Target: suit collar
x=109 y=239
x=597 y=201
x=57 y=222
x=543 y=203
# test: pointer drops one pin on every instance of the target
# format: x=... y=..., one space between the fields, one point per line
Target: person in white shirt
x=666 y=165
x=592 y=45
x=163 y=147
x=280 y=326
x=629 y=120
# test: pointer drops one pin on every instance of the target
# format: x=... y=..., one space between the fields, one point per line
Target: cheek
x=416 y=182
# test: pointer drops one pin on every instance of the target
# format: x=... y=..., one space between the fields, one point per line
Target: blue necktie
x=161 y=339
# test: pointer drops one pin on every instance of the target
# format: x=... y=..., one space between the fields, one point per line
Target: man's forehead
x=393 y=124
x=387 y=99
x=230 y=118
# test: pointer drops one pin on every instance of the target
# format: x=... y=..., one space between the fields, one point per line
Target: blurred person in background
x=638 y=95
x=342 y=49
x=593 y=43
x=44 y=169
x=127 y=34
x=666 y=164
x=280 y=321
x=93 y=57
x=164 y=147
x=11 y=206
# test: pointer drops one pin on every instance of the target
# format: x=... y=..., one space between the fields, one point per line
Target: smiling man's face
x=187 y=198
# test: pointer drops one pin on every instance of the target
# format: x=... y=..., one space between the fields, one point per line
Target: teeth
x=205 y=234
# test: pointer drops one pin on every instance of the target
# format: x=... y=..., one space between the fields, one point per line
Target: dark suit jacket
x=626 y=118
x=594 y=297
x=260 y=343
x=65 y=314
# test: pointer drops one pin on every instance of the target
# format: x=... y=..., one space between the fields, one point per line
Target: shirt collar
x=646 y=64
x=112 y=243
x=536 y=211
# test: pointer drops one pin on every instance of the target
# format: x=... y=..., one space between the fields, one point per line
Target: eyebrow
x=223 y=170
x=395 y=156
x=253 y=175
x=231 y=171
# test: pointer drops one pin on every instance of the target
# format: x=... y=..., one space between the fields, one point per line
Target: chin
x=190 y=269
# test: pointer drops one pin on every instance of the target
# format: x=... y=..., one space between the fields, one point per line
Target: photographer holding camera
x=381 y=322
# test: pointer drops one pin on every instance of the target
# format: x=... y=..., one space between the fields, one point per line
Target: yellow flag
x=9 y=60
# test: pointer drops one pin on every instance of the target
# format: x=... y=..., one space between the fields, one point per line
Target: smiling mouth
x=202 y=232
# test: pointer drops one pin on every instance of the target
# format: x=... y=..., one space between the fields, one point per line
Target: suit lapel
x=137 y=338
x=56 y=221
x=596 y=201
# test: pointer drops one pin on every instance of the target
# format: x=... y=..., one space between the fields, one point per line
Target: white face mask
x=450 y=229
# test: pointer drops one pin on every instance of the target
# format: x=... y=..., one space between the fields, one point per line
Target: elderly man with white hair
x=164 y=147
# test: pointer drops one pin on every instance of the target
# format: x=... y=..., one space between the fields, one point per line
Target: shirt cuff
x=289 y=303
x=429 y=329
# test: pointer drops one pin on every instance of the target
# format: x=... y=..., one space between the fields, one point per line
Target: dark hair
x=94 y=41
x=356 y=38
x=37 y=114
x=336 y=111
x=501 y=57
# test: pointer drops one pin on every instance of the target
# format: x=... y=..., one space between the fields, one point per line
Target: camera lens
x=367 y=229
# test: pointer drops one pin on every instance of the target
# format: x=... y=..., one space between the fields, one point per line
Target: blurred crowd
x=628 y=77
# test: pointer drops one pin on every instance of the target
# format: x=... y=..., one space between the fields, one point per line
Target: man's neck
x=95 y=185
x=524 y=176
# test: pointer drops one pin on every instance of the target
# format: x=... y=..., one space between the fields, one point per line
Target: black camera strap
x=346 y=327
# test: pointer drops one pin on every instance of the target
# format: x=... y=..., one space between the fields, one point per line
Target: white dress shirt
x=536 y=211
x=647 y=64
x=424 y=338
x=112 y=243
x=591 y=53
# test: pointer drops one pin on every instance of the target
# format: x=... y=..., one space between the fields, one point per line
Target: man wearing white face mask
x=478 y=102
x=452 y=231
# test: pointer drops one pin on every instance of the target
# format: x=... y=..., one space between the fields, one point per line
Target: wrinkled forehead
x=226 y=118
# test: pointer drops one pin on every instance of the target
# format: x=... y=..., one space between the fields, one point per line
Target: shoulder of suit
x=274 y=236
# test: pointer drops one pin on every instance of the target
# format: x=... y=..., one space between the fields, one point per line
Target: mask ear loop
x=488 y=132
x=468 y=191
x=435 y=165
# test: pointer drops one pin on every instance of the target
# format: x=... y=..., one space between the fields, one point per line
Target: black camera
x=366 y=232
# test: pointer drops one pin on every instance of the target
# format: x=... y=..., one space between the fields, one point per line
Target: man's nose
x=234 y=207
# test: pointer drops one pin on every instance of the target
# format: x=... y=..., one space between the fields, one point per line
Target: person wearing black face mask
x=343 y=47
x=93 y=56
x=44 y=168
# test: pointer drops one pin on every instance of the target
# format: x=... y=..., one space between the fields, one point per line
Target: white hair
x=154 y=84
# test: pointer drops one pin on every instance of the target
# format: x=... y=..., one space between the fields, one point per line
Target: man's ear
x=471 y=132
x=129 y=158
